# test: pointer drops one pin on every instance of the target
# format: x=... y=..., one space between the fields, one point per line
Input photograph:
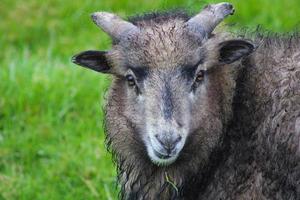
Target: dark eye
x=200 y=76
x=130 y=80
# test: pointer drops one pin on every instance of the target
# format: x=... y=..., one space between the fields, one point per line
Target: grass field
x=51 y=134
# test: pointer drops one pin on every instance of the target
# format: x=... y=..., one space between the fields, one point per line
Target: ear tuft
x=95 y=60
x=233 y=50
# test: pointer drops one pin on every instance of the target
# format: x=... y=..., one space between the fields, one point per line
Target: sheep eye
x=130 y=80
x=200 y=76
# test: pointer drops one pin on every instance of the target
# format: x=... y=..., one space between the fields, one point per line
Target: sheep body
x=263 y=159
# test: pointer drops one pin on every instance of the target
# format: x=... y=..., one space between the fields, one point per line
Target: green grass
x=51 y=133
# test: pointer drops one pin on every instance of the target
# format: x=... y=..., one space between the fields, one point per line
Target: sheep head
x=173 y=85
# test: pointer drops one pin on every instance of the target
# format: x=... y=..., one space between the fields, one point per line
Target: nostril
x=178 y=139
x=161 y=141
x=179 y=124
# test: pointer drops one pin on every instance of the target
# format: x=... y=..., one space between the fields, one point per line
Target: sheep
x=194 y=113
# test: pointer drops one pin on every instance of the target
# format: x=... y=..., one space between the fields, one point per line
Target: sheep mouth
x=161 y=156
x=161 y=159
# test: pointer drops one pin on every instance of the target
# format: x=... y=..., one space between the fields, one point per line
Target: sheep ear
x=95 y=60
x=233 y=50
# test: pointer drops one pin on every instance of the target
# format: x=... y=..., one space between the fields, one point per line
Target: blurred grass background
x=51 y=134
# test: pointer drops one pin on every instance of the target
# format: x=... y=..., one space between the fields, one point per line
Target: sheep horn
x=112 y=24
x=206 y=21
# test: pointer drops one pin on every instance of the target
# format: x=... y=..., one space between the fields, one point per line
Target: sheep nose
x=168 y=141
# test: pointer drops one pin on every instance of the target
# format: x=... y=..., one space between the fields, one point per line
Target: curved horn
x=112 y=24
x=207 y=20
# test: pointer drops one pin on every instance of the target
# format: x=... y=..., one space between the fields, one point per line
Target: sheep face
x=165 y=80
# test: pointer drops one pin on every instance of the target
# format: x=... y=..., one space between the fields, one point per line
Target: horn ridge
x=112 y=24
x=207 y=20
